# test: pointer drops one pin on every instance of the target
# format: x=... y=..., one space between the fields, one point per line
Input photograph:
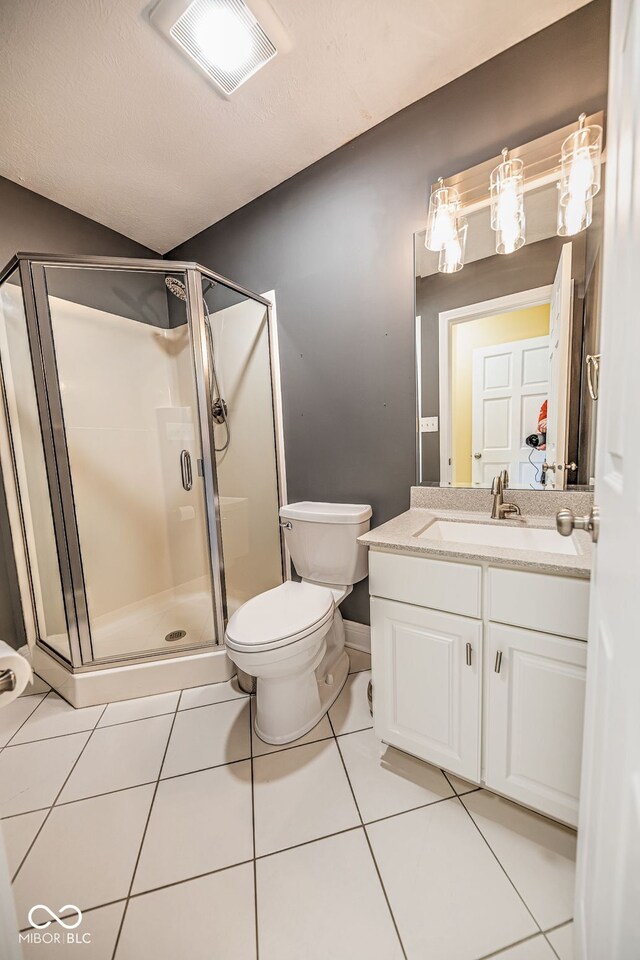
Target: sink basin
x=492 y=535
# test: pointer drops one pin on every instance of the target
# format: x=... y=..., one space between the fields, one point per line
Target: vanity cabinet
x=429 y=702
x=497 y=703
x=534 y=693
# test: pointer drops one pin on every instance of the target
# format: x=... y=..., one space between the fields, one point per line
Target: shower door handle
x=185 y=470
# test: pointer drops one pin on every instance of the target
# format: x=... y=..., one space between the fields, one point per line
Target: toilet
x=291 y=638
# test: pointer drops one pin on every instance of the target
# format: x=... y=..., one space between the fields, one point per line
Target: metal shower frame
x=32 y=268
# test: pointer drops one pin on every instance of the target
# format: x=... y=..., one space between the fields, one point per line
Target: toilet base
x=325 y=695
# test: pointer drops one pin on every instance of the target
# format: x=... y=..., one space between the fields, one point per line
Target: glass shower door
x=245 y=442
x=122 y=349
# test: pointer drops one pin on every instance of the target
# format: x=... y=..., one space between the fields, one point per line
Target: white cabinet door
x=535 y=685
x=427 y=681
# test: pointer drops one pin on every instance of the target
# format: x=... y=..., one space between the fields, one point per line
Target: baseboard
x=357 y=636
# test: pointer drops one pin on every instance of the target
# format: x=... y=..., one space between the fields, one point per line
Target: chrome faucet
x=501 y=510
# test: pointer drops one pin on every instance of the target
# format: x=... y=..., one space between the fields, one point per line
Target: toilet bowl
x=291 y=638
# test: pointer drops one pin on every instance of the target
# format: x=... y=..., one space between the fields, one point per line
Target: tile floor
x=180 y=834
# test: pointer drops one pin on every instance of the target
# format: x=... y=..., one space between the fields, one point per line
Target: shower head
x=176 y=287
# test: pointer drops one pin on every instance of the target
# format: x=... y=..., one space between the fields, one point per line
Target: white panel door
x=608 y=870
x=426 y=681
x=559 y=336
x=534 y=694
x=510 y=384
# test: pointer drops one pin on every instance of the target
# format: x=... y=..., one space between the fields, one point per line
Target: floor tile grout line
x=16 y=732
x=214 y=703
x=368 y=842
x=557 y=926
x=473 y=789
x=499 y=862
x=166 y=713
x=551 y=946
x=164 y=886
x=306 y=843
x=85 y=911
x=119 y=723
x=400 y=813
x=48 y=814
x=106 y=726
x=253 y=831
x=290 y=746
x=132 y=786
x=144 y=832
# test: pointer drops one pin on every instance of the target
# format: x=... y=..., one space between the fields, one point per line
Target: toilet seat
x=279 y=617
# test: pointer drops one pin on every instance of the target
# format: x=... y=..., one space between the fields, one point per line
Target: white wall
x=129 y=410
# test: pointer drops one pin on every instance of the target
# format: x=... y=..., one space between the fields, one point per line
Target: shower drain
x=175 y=635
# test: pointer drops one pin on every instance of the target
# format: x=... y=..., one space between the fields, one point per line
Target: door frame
x=534 y=297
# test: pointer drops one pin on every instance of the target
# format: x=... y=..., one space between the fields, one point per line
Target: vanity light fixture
x=451 y=258
x=580 y=177
x=223 y=37
x=442 y=225
x=507 y=204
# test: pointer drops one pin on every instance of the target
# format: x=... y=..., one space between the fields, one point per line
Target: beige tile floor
x=180 y=834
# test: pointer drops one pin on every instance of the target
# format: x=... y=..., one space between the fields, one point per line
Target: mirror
x=507 y=354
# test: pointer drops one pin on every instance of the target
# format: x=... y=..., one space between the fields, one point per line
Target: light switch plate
x=428 y=424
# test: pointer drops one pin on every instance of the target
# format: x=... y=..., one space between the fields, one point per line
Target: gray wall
x=336 y=243
x=29 y=222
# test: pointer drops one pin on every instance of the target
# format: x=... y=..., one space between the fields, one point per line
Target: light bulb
x=451 y=258
x=581 y=175
x=508 y=215
x=443 y=228
x=224 y=39
x=507 y=204
x=441 y=219
x=574 y=215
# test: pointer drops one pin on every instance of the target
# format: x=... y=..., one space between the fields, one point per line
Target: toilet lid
x=279 y=616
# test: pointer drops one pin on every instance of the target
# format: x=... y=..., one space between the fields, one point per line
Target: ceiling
x=100 y=113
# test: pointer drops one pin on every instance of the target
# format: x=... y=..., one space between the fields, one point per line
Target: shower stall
x=142 y=459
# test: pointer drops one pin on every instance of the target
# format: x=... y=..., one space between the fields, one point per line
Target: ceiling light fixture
x=224 y=39
x=222 y=36
x=507 y=204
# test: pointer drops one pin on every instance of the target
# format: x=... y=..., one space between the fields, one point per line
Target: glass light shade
x=451 y=258
x=441 y=219
x=574 y=216
x=580 y=164
x=507 y=204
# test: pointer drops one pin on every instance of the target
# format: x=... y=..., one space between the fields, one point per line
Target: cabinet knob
x=469 y=654
x=498 y=663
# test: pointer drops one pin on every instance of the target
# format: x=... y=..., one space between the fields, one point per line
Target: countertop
x=401 y=535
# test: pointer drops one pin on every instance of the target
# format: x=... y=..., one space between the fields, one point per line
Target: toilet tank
x=323 y=540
